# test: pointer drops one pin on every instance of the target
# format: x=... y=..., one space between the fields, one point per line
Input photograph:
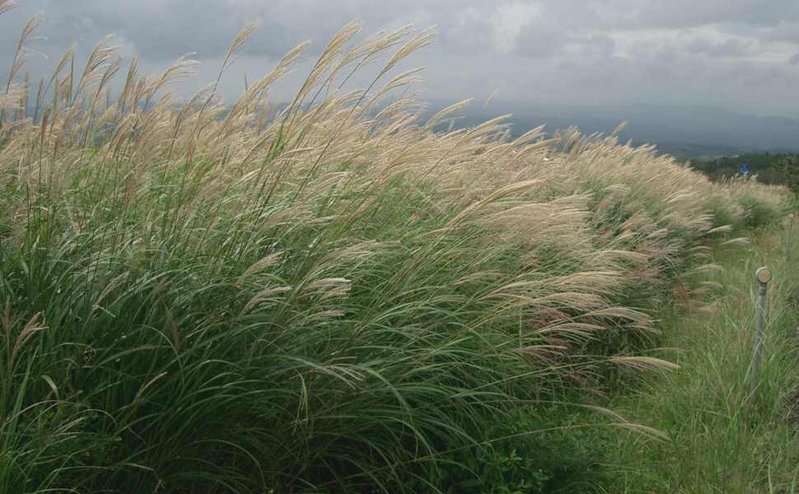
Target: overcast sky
x=740 y=55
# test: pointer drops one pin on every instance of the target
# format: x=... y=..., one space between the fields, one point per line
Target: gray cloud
x=689 y=13
x=737 y=54
x=727 y=48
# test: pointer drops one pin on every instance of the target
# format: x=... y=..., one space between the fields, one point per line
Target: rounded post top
x=763 y=275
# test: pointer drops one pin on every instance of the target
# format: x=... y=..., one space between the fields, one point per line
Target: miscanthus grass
x=329 y=295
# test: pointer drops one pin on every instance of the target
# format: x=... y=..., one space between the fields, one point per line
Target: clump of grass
x=202 y=297
x=761 y=206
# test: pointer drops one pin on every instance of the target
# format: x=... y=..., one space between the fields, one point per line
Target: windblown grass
x=325 y=296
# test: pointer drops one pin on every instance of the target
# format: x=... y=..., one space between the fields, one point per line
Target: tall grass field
x=328 y=294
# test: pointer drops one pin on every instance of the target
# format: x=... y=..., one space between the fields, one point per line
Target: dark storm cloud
x=738 y=54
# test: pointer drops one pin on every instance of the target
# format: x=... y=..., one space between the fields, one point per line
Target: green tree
x=789 y=164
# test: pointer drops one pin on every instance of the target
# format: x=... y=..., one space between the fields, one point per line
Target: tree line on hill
x=768 y=168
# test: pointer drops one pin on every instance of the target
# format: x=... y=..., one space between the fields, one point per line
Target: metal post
x=763 y=276
x=789 y=239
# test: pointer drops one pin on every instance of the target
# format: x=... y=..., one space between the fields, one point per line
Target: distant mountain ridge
x=683 y=131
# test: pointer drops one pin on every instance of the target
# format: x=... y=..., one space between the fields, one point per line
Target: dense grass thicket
x=334 y=297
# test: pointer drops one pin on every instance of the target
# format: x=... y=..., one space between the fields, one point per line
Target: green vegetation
x=210 y=298
x=770 y=168
x=714 y=442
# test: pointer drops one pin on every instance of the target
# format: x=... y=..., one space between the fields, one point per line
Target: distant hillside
x=768 y=167
x=687 y=132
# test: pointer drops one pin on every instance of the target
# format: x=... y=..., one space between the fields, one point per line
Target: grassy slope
x=203 y=298
x=715 y=444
